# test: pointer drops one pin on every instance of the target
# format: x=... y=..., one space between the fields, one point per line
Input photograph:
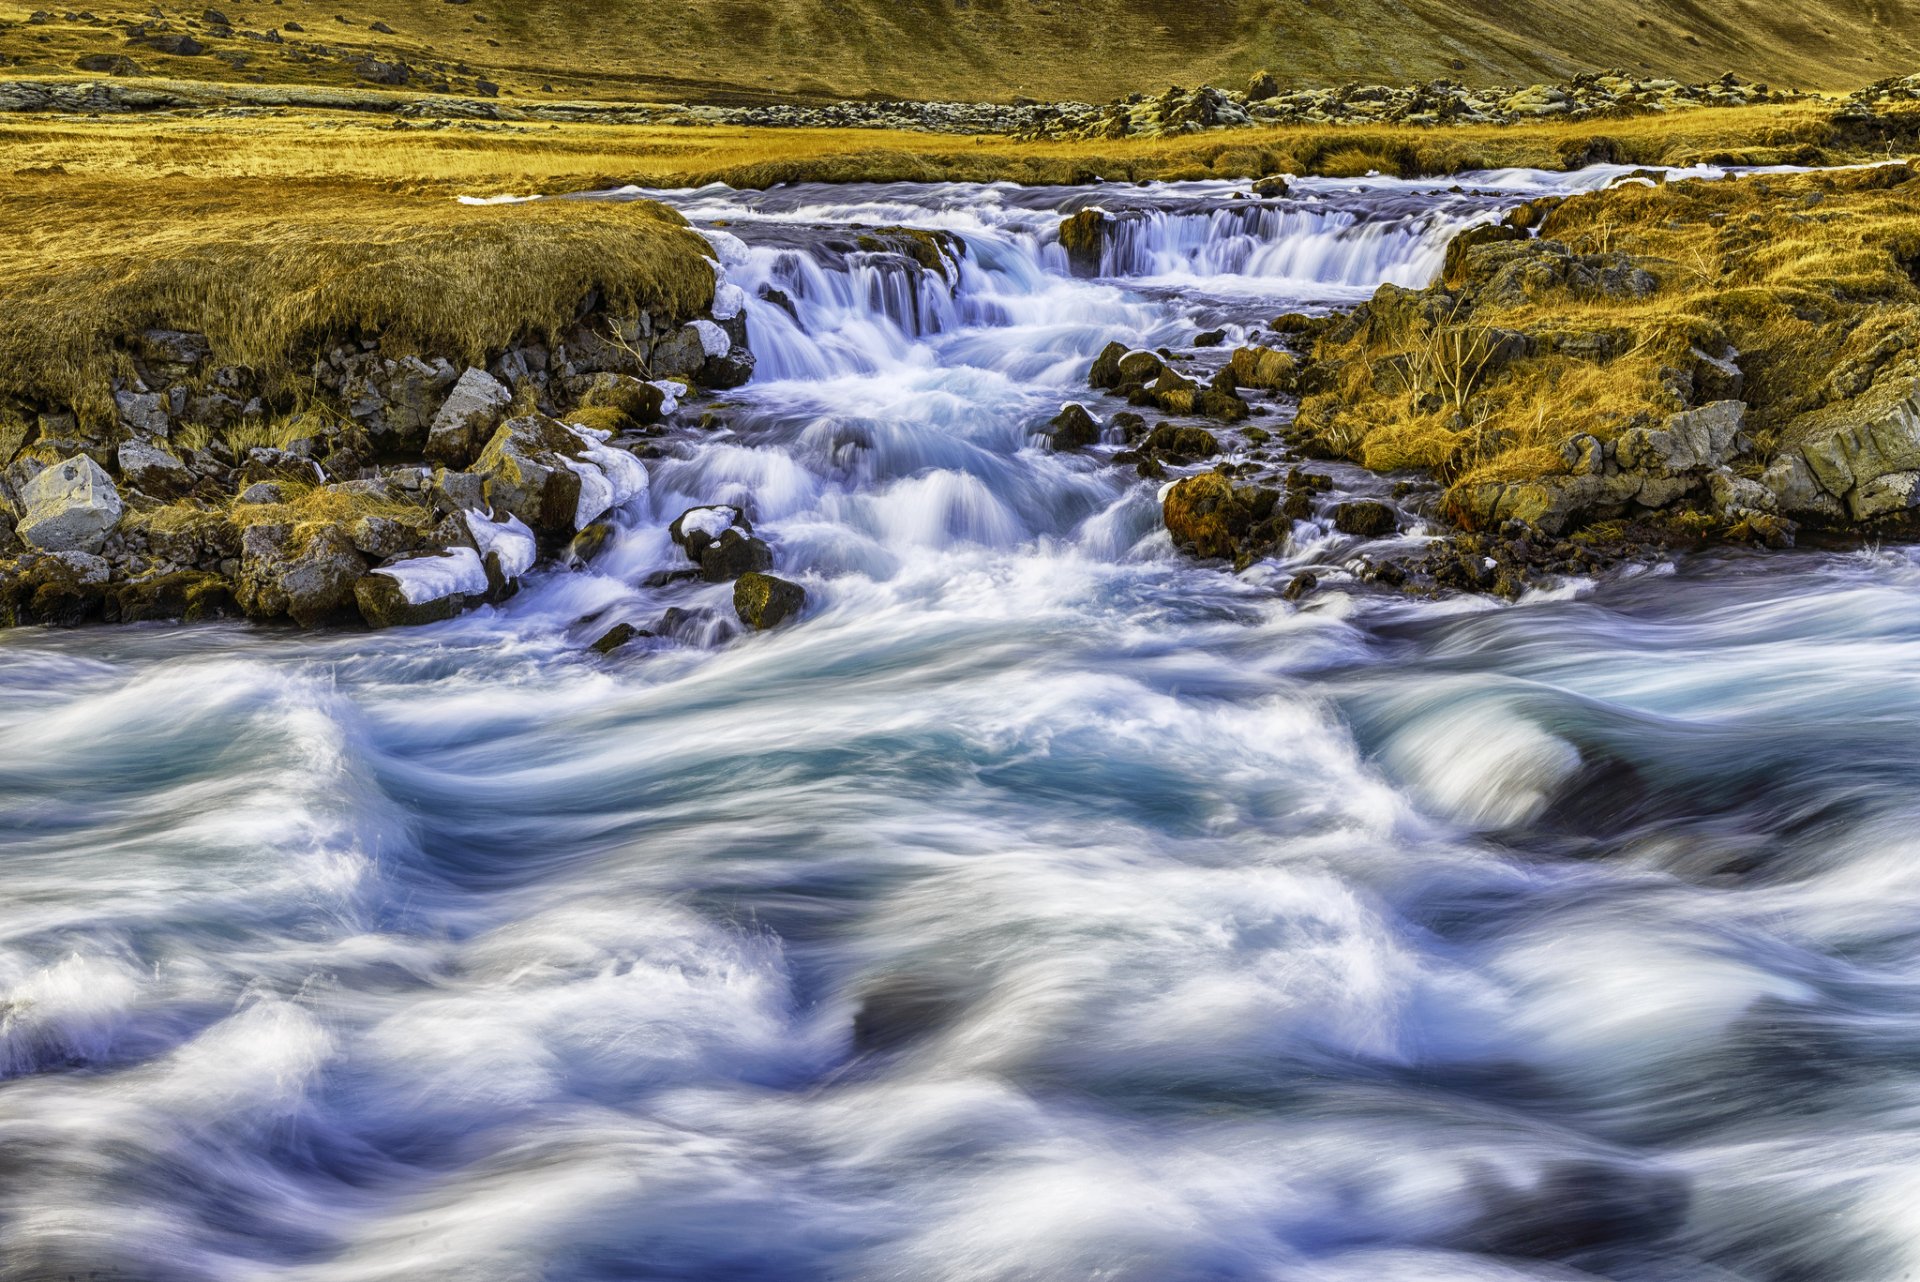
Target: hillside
x=746 y=50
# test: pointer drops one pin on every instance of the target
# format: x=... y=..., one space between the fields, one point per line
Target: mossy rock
x=1084 y=237
x=763 y=601
x=1073 y=428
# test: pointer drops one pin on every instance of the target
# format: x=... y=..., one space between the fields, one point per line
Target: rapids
x=1040 y=906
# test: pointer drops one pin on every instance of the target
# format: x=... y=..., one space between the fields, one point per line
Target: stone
x=590 y=543
x=69 y=507
x=1106 y=366
x=1187 y=442
x=1266 y=368
x=763 y=601
x=1272 y=188
x=1084 y=236
x=1889 y=494
x=61 y=589
x=1848 y=445
x=306 y=574
x=384 y=602
x=618 y=635
x=150 y=468
x=467 y=418
x=1366 y=518
x=641 y=403
x=1207 y=514
x=1073 y=428
x=698 y=527
x=526 y=473
x=1798 y=493
x=382 y=537
x=733 y=554
x=189 y=596
x=1687 y=442
x=143 y=413
x=262 y=492
x=1139 y=367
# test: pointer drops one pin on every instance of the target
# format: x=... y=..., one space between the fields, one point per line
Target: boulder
x=467 y=418
x=1106 y=366
x=1272 y=188
x=1267 y=368
x=1073 y=428
x=143 y=413
x=1187 y=442
x=697 y=527
x=763 y=602
x=1207 y=515
x=189 y=596
x=69 y=507
x=1849 y=446
x=528 y=470
x=1367 y=518
x=150 y=468
x=616 y=636
x=60 y=589
x=733 y=555
x=303 y=573
x=1139 y=368
x=1084 y=237
x=427 y=589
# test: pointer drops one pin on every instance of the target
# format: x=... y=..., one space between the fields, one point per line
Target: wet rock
x=732 y=555
x=1366 y=518
x=189 y=596
x=698 y=527
x=60 y=589
x=421 y=590
x=1137 y=368
x=1267 y=368
x=306 y=574
x=763 y=601
x=1272 y=188
x=1208 y=515
x=69 y=507
x=618 y=635
x=1300 y=585
x=1073 y=428
x=1210 y=338
x=1185 y=442
x=590 y=543
x=467 y=418
x=1106 y=366
x=1084 y=237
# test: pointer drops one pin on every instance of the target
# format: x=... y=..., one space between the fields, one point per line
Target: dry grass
x=270 y=270
x=1810 y=279
x=734 y=50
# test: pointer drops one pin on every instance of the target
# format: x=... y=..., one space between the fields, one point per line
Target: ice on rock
x=432 y=578
x=510 y=539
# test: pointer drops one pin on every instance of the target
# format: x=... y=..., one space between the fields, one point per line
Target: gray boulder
x=1848 y=447
x=150 y=468
x=307 y=575
x=143 y=413
x=69 y=507
x=467 y=418
x=526 y=473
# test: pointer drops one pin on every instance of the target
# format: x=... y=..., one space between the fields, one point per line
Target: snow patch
x=710 y=521
x=608 y=476
x=728 y=248
x=713 y=340
x=728 y=301
x=672 y=391
x=432 y=578
x=510 y=540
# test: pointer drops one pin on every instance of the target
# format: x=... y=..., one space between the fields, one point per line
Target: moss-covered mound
x=1734 y=354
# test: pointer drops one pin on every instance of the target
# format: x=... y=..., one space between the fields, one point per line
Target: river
x=1041 y=906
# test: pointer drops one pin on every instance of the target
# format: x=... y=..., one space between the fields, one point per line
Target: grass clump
x=272 y=272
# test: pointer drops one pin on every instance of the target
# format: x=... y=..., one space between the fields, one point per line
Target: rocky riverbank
x=1590 y=382
x=369 y=478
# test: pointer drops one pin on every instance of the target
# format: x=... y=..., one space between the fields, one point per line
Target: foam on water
x=1042 y=905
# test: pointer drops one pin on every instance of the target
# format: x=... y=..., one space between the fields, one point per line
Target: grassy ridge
x=268 y=271
x=743 y=50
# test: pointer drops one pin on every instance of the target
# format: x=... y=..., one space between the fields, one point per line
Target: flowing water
x=1042 y=906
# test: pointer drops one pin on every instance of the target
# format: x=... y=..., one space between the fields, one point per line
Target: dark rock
x=618 y=635
x=307 y=575
x=1366 y=518
x=763 y=602
x=732 y=555
x=1073 y=428
x=1084 y=237
x=1300 y=585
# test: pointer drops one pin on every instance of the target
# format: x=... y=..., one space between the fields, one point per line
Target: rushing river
x=1042 y=906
